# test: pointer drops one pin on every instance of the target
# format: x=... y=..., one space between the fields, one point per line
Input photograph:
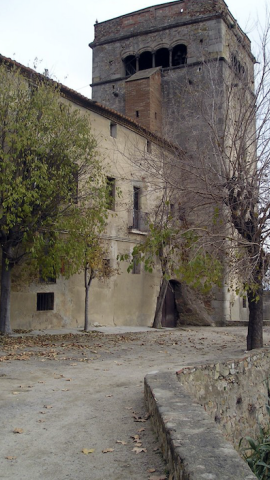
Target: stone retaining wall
x=190 y=441
x=234 y=394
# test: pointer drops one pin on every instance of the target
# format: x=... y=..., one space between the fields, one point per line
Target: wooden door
x=169 y=312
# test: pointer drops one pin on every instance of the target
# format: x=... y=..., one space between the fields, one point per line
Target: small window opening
x=137 y=113
x=179 y=55
x=244 y=302
x=162 y=58
x=148 y=146
x=145 y=61
x=45 y=301
x=110 y=193
x=130 y=65
x=113 y=130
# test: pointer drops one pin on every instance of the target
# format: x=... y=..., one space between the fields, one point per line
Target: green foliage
x=178 y=250
x=52 y=187
x=259 y=459
x=257 y=454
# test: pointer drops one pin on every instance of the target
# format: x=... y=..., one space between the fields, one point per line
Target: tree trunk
x=255 y=324
x=5 y=326
x=86 y=319
x=87 y=283
x=160 y=302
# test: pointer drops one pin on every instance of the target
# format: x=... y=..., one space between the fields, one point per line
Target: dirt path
x=68 y=393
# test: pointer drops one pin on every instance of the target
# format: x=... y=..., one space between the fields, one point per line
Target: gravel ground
x=65 y=394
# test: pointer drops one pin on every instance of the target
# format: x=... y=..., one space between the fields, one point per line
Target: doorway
x=169 y=311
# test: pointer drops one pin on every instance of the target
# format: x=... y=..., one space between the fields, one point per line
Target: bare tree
x=218 y=179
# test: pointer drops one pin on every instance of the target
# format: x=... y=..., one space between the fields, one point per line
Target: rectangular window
x=113 y=130
x=45 y=301
x=149 y=147
x=110 y=192
x=137 y=113
x=244 y=302
x=136 y=207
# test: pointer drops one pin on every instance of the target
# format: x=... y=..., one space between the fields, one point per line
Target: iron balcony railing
x=138 y=220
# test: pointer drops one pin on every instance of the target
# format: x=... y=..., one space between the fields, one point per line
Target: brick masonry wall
x=138 y=99
x=234 y=394
x=156 y=17
x=143 y=101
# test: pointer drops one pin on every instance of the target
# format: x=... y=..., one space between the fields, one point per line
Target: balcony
x=138 y=221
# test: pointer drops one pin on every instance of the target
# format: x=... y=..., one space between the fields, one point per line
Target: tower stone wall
x=163 y=66
x=177 y=37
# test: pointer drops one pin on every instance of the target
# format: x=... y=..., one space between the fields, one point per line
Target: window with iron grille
x=45 y=301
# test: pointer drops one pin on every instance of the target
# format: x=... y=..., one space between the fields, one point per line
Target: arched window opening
x=145 y=61
x=163 y=58
x=179 y=55
x=130 y=65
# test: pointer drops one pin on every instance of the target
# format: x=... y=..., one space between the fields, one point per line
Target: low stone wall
x=234 y=394
x=190 y=441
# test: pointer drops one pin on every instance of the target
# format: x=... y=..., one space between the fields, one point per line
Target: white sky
x=58 y=31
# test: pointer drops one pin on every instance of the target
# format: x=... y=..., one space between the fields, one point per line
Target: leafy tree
x=180 y=250
x=51 y=181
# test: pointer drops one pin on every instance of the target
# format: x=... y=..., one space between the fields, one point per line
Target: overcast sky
x=58 y=32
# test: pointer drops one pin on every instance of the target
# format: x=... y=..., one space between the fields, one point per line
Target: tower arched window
x=162 y=58
x=145 y=60
x=130 y=65
x=179 y=55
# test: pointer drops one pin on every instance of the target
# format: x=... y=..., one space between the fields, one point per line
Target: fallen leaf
x=86 y=450
x=47 y=406
x=108 y=450
x=15 y=393
x=141 y=430
x=138 y=419
x=65 y=390
x=139 y=450
x=18 y=430
x=108 y=396
x=151 y=470
x=136 y=438
x=120 y=441
x=40 y=421
x=43 y=413
x=10 y=458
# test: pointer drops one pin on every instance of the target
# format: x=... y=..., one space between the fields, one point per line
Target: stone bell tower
x=142 y=60
x=155 y=67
